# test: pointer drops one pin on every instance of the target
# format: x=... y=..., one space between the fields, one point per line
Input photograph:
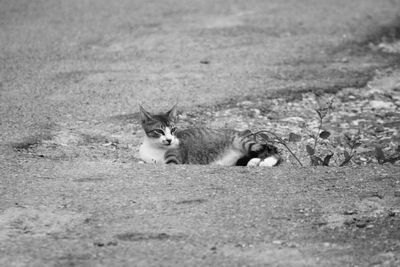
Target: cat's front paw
x=269 y=161
x=253 y=162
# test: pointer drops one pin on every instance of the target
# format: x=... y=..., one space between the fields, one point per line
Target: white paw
x=253 y=162
x=269 y=162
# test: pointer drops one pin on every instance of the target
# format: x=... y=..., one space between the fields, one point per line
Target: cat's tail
x=246 y=143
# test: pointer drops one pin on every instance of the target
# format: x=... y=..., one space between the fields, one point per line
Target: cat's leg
x=173 y=156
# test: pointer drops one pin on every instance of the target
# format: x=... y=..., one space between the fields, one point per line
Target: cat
x=164 y=144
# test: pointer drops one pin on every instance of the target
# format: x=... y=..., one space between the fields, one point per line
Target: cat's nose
x=168 y=141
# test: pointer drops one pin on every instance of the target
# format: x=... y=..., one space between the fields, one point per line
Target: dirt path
x=98 y=213
x=72 y=192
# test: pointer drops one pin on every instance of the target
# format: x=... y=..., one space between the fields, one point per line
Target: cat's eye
x=155 y=133
x=158 y=131
x=173 y=129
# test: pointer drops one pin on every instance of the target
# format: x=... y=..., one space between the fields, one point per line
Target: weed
x=351 y=142
x=322 y=111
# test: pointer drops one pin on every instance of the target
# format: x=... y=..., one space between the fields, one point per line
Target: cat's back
x=204 y=145
x=203 y=135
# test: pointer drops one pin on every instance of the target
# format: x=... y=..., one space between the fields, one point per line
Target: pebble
x=327 y=244
x=361 y=224
x=349 y=212
x=256 y=112
x=379 y=104
x=294 y=120
x=246 y=103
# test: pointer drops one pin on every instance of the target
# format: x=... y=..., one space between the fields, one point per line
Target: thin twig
x=347 y=160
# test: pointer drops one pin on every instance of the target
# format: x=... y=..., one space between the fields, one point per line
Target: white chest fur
x=151 y=154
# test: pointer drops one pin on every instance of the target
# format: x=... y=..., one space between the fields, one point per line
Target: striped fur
x=199 y=145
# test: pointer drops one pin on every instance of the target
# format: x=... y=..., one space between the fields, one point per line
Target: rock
x=349 y=212
x=361 y=224
x=255 y=112
x=393 y=48
x=392 y=124
x=294 y=137
x=294 y=120
x=246 y=103
x=327 y=244
x=379 y=104
x=278 y=242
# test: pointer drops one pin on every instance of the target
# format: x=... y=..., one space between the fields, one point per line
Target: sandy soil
x=72 y=192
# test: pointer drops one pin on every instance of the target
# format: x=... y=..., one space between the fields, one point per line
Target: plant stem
x=317 y=136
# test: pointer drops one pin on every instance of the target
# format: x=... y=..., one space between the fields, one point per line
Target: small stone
x=379 y=104
x=112 y=243
x=246 y=103
x=392 y=124
x=256 y=112
x=349 y=212
x=294 y=137
x=352 y=97
x=98 y=244
x=361 y=224
x=278 y=242
x=379 y=129
x=394 y=212
x=293 y=120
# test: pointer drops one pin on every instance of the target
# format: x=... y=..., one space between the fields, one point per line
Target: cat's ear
x=173 y=113
x=144 y=115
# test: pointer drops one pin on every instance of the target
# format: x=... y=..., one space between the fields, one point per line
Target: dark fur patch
x=269 y=150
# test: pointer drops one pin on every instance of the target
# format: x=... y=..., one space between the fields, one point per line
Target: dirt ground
x=73 y=192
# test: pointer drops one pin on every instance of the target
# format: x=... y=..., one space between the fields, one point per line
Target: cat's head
x=160 y=128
